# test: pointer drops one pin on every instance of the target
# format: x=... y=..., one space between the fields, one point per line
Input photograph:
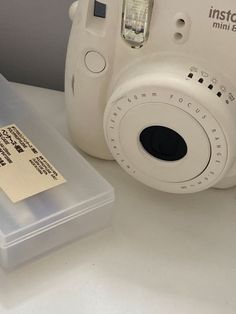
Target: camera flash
x=136 y=20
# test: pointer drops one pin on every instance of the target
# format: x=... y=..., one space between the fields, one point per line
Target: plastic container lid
x=41 y=222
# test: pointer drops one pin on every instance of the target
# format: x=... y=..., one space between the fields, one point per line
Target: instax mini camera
x=151 y=84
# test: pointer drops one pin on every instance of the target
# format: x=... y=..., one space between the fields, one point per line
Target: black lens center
x=163 y=143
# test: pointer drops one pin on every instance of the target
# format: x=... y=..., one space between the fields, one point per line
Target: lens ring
x=136 y=106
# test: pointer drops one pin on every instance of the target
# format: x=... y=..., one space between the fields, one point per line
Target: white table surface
x=164 y=254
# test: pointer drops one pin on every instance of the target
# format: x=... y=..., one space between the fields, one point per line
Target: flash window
x=136 y=21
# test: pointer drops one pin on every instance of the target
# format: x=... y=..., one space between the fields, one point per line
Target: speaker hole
x=180 y=23
x=210 y=87
x=201 y=80
x=219 y=94
x=190 y=75
x=178 y=36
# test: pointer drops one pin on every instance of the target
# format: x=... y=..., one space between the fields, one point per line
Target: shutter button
x=95 y=62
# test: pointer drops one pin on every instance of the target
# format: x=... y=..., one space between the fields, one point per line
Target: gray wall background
x=33 y=41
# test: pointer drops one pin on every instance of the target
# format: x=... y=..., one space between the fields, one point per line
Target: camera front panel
x=109 y=40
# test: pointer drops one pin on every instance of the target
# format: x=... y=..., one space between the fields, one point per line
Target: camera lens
x=163 y=143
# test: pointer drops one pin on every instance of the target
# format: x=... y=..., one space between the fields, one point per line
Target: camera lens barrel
x=161 y=132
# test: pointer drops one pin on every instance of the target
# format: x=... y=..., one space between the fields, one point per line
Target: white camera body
x=151 y=84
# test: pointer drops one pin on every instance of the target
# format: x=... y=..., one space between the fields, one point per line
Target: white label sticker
x=24 y=171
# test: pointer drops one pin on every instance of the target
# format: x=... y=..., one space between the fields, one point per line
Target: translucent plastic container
x=49 y=219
